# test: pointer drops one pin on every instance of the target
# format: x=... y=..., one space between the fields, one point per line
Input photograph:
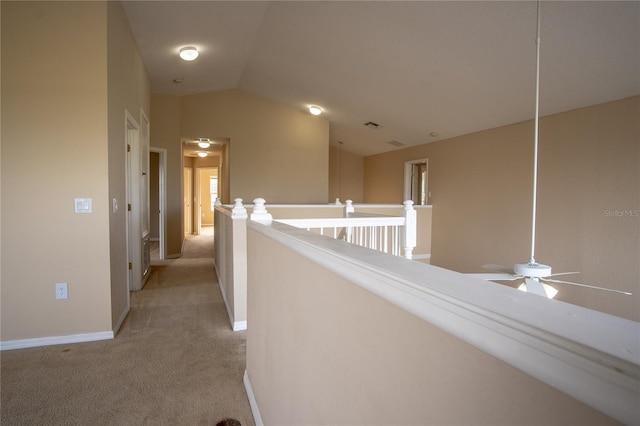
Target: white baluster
x=260 y=213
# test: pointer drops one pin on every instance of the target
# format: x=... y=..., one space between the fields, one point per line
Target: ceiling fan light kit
x=533 y=270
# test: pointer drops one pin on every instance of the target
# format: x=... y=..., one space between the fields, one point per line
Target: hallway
x=174 y=361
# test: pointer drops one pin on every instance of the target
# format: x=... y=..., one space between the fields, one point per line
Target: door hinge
x=130 y=265
x=128 y=147
x=128 y=207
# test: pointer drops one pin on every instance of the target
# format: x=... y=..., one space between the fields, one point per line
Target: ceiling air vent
x=395 y=143
x=372 y=125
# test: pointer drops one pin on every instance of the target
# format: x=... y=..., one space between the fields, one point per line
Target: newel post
x=410 y=229
x=238 y=211
x=348 y=208
x=260 y=213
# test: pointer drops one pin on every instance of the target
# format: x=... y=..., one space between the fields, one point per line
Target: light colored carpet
x=175 y=361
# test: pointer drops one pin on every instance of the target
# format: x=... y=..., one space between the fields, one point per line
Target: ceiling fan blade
x=588 y=286
x=563 y=273
x=496 y=277
x=498 y=268
x=535 y=287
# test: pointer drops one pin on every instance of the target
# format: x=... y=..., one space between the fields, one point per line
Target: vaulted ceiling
x=422 y=70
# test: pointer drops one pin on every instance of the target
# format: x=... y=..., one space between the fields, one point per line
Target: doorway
x=187 y=182
x=416 y=181
x=158 y=201
x=207 y=189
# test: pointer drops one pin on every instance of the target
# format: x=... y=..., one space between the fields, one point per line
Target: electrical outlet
x=62 y=291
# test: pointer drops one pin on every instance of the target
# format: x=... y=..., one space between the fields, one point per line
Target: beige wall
x=346 y=174
x=128 y=89
x=321 y=350
x=54 y=149
x=481 y=188
x=274 y=152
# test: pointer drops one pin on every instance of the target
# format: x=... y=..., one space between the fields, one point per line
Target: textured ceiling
x=413 y=67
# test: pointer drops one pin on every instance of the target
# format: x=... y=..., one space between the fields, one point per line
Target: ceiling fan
x=534 y=274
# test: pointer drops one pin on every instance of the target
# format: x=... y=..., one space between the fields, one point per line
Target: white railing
x=394 y=235
x=363 y=227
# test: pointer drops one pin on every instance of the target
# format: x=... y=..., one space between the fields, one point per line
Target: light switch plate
x=83 y=205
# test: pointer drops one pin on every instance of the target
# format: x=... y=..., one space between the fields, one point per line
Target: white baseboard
x=239 y=325
x=55 y=340
x=252 y=400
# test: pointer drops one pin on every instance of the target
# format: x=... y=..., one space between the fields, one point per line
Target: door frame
x=197 y=191
x=132 y=182
x=162 y=195
x=187 y=189
x=408 y=169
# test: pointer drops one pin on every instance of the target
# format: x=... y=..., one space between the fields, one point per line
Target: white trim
x=255 y=410
x=408 y=167
x=591 y=356
x=421 y=256
x=239 y=325
x=55 y=340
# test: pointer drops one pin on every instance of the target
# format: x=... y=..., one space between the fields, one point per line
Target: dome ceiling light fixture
x=204 y=143
x=202 y=154
x=188 y=53
x=315 y=110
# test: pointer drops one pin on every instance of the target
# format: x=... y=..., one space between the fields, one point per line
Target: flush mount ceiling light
x=315 y=110
x=202 y=154
x=188 y=53
x=204 y=143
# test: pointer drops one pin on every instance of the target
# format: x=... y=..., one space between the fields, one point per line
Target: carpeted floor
x=175 y=361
